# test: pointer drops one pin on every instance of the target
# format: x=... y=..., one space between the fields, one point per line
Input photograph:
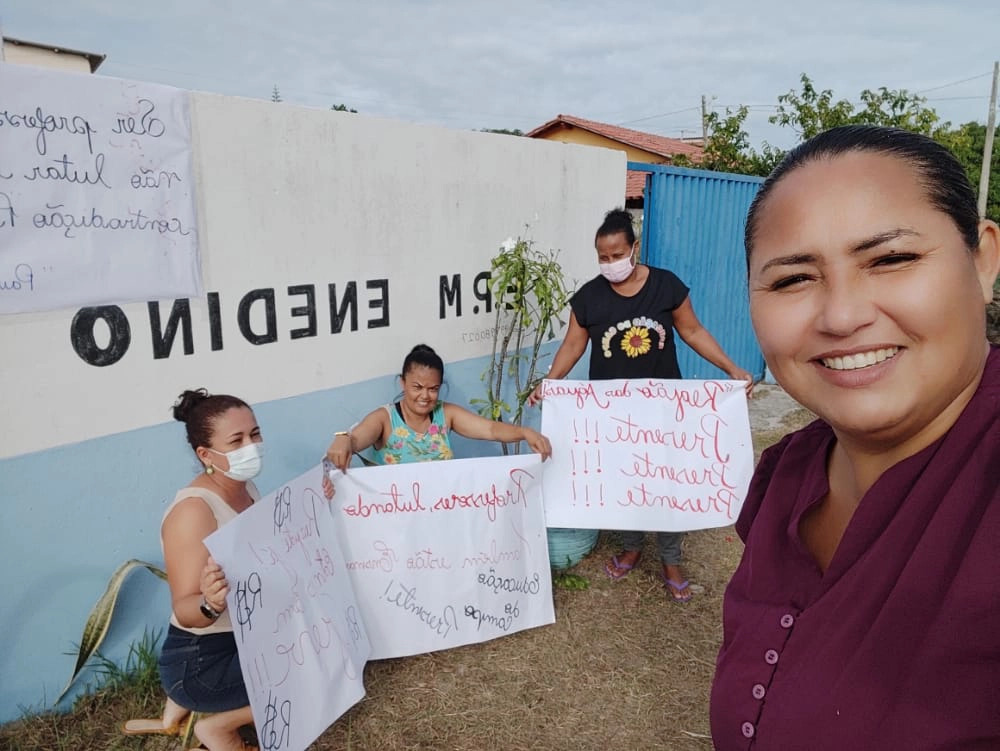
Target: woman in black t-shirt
x=628 y=314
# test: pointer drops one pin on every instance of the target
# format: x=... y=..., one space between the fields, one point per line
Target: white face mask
x=244 y=462
x=618 y=271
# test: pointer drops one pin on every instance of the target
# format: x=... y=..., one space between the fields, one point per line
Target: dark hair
x=615 y=221
x=423 y=355
x=941 y=174
x=199 y=410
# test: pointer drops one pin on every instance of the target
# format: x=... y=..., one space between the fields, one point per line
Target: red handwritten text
x=723 y=500
x=583 y=391
x=704 y=396
x=395 y=505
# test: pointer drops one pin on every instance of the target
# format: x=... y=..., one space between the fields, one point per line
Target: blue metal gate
x=693 y=225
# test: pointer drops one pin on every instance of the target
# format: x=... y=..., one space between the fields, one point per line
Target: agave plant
x=99 y=620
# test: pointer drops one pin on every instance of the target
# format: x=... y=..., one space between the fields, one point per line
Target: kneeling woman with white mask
x=199 y=665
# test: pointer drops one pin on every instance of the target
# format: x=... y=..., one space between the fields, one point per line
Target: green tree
x=897 y=109
x=811 y=111
x=342 y=108
x=727 y=148
x=504 y=131
x=275 y=94
x=967 y=142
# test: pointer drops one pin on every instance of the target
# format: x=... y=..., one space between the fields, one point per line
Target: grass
x=620 y=668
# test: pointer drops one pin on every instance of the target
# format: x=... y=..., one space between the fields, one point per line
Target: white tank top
x=223 y=514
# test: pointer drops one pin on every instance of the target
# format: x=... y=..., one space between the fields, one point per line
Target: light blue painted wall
x=71 y=515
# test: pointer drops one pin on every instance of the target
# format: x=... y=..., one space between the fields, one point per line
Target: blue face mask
x=244 y=462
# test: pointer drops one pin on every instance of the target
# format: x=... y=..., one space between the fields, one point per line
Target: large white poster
x=97 y=195
x=443 y=554
x=651 y=454
x=301 y=638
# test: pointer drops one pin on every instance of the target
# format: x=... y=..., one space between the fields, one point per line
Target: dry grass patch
x=622 y=667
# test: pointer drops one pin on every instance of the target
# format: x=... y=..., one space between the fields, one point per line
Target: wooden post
x=704 y=123
x=991 y=124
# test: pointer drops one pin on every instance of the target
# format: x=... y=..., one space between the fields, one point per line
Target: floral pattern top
x=406 y=445
x=631 y=337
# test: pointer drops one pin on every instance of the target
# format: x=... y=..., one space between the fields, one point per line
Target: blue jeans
x=202 y=673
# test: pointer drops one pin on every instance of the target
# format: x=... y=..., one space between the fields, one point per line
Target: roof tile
x=660 y=145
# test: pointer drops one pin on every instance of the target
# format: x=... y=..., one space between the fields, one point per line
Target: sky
x=517 y=64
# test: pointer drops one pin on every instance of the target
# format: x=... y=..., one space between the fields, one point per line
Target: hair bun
x=422 y=349
x=187 y=402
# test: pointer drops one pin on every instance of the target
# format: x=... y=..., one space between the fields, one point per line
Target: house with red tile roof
x=638 y=146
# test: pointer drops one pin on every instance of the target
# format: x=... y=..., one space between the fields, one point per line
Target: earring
x=209 y=469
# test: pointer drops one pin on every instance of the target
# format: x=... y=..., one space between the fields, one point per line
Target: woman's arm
x=698 y=338
x=370 y=431
x=190 y=574
x=569 y=353
x=471 y=425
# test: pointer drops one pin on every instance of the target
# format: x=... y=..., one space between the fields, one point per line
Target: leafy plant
x=140 y=670
x=99 y=620
x=529 y=294
x=566 y=580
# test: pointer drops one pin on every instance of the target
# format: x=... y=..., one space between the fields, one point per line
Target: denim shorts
x=202 y=673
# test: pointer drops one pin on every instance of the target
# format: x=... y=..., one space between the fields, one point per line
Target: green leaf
x=99 y=620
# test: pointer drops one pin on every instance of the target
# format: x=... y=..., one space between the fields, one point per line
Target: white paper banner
x=448 y=553
x=96 y=191
x=301 y=638
x=652 y=454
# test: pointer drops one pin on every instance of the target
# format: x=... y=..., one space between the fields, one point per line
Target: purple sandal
x=617 y=570
x=677 y=592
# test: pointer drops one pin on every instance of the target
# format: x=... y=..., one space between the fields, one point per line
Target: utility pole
x=704 y=121
x=991 y=124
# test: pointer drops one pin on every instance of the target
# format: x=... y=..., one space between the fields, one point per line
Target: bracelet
x=207 y=610
x=342 y=432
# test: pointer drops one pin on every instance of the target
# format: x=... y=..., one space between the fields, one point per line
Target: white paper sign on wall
x=301 y=638
x=651 y=454
x=447 y=553
x=97 y=194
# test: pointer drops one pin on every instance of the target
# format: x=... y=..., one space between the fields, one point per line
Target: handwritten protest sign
x=301 y=638
x=443 y=554
x=651 y=454
x=96 y=191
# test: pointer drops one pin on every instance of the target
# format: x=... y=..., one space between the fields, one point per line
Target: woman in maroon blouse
x=865 y=613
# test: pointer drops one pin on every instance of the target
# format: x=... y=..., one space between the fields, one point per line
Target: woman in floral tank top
x=417 y=427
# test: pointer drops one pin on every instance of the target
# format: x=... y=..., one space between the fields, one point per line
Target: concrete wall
x=330 y=243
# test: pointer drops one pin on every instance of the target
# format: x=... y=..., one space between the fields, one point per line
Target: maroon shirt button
x=759 y=691
x=748 y=729
x=771 y=657
x=787 y=620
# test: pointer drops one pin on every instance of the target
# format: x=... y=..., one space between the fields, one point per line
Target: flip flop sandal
x=151 y=727
x=680 y=593
x=617 y=570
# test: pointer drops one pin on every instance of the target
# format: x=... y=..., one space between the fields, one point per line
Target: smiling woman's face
x=421 y=389
x=868 y=306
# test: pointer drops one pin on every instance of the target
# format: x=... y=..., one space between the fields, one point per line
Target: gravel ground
x=769 y=406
